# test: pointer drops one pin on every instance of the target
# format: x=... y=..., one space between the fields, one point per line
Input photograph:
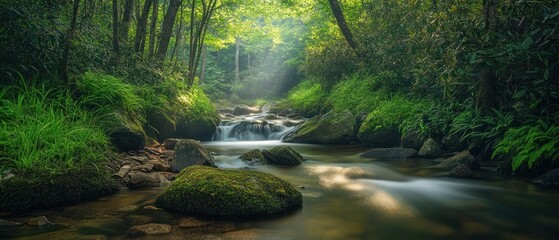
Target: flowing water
x=344 y=197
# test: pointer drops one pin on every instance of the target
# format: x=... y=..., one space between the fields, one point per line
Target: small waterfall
x=253 y=128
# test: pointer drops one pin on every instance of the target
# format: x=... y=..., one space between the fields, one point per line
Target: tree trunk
x=153 y=28
x=126 y=17
x=237 y=51
x=248 y=60
x=167 y=29
x=203 y=67
x=139 y=39
x=178 y=38
x=68 y=42
x=116 y=47
x=197 y=34
x=485 y=94
x=342 y=24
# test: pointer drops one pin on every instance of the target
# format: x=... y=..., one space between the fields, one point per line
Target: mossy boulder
x=254 y=157
x=189 y=152
x=199 y=128
x=36 y=189
x=330 y=128
x=228 y=193
x=378 y=135
x=430 y=148
x=285 y=155
x=412 y=139
x=125 y=131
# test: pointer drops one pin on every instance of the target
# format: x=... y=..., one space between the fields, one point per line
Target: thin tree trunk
x=116 y=47
x=237 y=51
x=342 y=24
x=485 y=99
x=139 y=40
x=68 y=42
x=126 y=17
x=203 y=67
x=153 y=28
x=167 y=29
x=248 y=60
x=178 y=38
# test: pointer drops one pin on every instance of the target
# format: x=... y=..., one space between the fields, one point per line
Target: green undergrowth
x=534 y=143
x=44 y=128
x=358 y=94
x=307 y=97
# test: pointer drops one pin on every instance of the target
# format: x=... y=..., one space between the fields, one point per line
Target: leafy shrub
x=397 y=111
x=482 y=130
x=307 y=97
x=42 y=129
x=529 y=144
x=357 y=93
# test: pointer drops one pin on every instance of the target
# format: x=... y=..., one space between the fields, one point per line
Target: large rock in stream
x=283 y=155
x=244 y=110
x=189 y=152
x=330 y=128
x=228 y=193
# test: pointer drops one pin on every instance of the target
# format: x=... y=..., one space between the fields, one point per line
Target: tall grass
x=47 y=129
x=357 y=94
x=307 y=97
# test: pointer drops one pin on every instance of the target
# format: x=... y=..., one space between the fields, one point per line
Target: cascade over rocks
x=189 y=152
x=244 y=110
x=330 y=128
x=229 y=193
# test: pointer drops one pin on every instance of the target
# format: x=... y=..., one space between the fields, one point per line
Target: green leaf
x=520 y=94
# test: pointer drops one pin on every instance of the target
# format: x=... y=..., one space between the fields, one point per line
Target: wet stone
x=191 y=222
x=149 y=229
x=41 y=221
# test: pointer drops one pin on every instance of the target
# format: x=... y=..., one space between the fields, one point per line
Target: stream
x=344 y=197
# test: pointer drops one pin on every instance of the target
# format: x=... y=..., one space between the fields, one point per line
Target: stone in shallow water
x=229 y=193
x=549 y=179
x=389 y=153
x=461 y=171
x=189 y=152
x=254 y=157
x=191 y=222
x=430 y=149
x=41 y=221
x=149 y=229
x=285 y=155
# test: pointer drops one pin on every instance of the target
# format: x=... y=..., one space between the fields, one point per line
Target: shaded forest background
x=485 y=73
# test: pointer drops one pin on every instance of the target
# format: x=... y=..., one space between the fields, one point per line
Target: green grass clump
x=357 y=94
x=116 y=102
x=228 y=193
x=398 y=110
x=47 y=129
x=307 y=97
x=529 y=144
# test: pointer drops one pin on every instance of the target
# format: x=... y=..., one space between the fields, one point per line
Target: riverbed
x=344 y=197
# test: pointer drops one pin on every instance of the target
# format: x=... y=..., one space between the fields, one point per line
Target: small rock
x=461 y=171
x=4 y=223
x=147 y=168
x=430 y=149
x=157 y=166
x=549 y=179
x=149 y=229
x=244 y=110
x=143 y=180
x=302 y=187
x=171 y=177
x=191 y=222
x=170 y=143
x=93 y=237
x=41 y=221
x=190 y=152
x=285 y=155
x=140 y=159
x=137 y=219
x=8 y=176
x=123 y=171
x=463 y=157
x=152 y=208
x=254 y=157
x=389 y=153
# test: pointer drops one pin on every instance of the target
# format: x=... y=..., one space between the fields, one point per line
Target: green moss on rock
x=228 y=193
x=371 y=134
x=285 y=155
x=35 y=189
x=254 y=157
x=331 y=128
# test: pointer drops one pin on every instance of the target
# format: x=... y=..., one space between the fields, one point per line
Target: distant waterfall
x=253 y=128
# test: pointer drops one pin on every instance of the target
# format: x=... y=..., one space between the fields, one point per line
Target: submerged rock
x=463 y=157
x=461 y=171
x=389 y=153
x=149 y=229
x=331 y=128
x=430 y=149
x=228 y=193
x=549 y=179
x=285 y=155
x=38 y=189
x=254 y=157
x=41 y=221
x=189 y=152
x=140 y=180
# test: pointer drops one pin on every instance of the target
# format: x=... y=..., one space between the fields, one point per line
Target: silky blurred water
x=344 y=197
